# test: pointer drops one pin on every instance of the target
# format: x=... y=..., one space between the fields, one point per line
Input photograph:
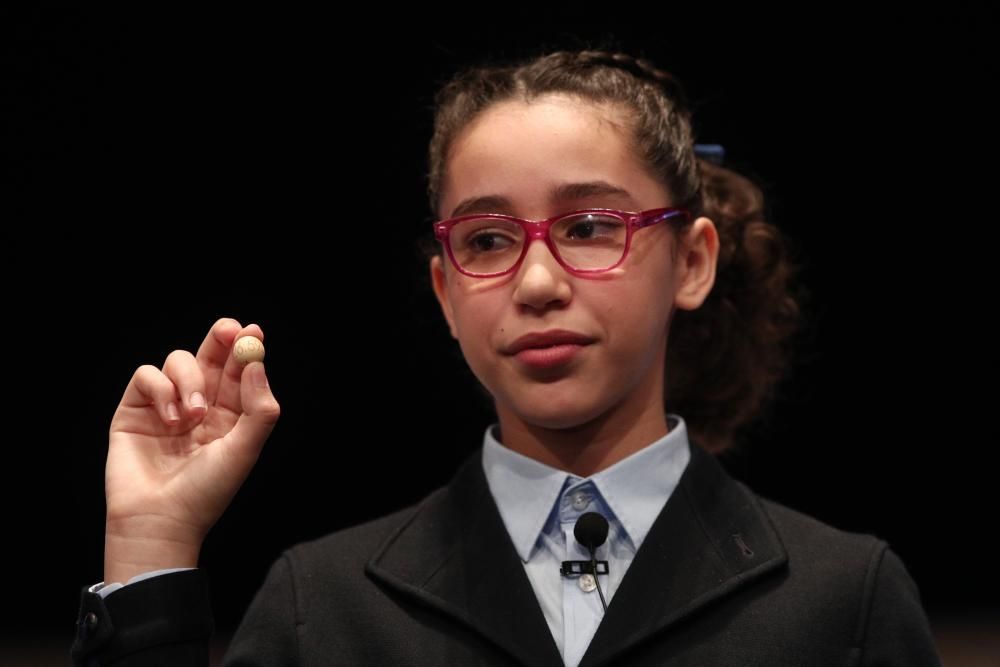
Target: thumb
x=260 y=413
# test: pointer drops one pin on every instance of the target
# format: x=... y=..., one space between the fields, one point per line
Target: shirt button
x=587 y=583
x=580 y=501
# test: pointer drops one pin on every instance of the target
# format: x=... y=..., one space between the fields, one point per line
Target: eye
x=482 y=235
x=590 y=227
x=484 y=241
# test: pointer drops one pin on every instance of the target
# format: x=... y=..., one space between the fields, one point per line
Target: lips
x=549 y=339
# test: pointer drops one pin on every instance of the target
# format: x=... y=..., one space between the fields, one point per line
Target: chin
x=556 y=417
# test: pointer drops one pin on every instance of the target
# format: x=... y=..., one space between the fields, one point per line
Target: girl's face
x=522 y=152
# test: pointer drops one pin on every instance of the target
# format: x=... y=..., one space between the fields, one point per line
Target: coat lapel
x=710 y=539
x=455 y=554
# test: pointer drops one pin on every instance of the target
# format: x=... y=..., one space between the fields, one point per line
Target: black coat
x=724 y=577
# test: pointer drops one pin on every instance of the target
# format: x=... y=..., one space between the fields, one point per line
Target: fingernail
x=197 y=400
x=259 y=376
x=172 y=412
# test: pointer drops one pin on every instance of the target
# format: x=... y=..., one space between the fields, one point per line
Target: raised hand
x=182 y=441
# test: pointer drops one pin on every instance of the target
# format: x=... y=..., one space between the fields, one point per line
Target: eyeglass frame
x=539 y=229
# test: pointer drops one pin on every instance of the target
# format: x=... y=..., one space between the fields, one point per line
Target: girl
x=621 y=352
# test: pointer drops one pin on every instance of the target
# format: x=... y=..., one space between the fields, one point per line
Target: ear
x=440 y=284
x=698 y=257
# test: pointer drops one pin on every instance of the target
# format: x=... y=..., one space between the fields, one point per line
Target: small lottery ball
x=247 y=349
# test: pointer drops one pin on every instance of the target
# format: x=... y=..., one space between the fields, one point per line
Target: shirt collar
x=635 y=488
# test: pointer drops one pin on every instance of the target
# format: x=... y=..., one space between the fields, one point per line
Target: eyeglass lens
x=586 y=241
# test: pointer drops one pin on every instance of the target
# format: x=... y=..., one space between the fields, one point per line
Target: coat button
x=90 y=622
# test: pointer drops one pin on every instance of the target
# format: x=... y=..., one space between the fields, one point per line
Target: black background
x=164 y=170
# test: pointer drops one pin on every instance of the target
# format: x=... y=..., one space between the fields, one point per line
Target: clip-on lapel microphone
x=591 y=530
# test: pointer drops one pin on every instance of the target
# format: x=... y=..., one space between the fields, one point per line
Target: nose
x=541 y=279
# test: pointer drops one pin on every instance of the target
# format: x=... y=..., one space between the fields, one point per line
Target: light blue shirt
x=539 y=506
x=105 y=591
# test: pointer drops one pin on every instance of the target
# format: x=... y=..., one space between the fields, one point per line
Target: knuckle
x=270 y=411
x=178 y=356
x=148 y=377
x=145 y=370
x=183 y=368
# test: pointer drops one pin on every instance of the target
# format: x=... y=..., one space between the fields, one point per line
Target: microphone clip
x=572 y=568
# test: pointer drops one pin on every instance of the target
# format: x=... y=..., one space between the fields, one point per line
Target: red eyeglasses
x=584 y=242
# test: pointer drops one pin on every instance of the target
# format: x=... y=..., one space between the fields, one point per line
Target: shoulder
x=815 y=550
x=326 y=579
x=818 y=546
x=347 y=550
x=859 y=573
x=863 y=566
x=809 y=535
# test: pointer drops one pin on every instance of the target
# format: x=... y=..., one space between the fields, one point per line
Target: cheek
x=638 y=326
x=475 y=324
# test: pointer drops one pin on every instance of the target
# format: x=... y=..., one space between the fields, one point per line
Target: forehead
x=518 y=154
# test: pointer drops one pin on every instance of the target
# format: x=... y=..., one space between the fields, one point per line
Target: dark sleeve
x=268 y=633
x=896 y=631
x=163 y=620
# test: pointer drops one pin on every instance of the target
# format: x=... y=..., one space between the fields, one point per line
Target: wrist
x=133 y=551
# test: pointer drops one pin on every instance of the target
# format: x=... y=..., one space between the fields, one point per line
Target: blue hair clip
x=711 y=152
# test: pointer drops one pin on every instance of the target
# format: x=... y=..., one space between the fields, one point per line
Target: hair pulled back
x=725 y=359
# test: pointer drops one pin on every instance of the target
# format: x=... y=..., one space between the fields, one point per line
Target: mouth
x=549 y=356
x=549 y=339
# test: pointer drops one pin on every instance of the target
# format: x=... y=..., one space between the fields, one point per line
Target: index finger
x=214 y=352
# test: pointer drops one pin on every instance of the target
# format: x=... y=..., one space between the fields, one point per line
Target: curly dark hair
x=725 y=359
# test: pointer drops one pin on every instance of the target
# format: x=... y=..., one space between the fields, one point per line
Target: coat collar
x=454 y=553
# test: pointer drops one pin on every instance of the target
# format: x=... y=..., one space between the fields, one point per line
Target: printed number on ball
x=248 y=349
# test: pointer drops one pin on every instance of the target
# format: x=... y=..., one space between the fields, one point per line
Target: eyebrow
x=559 y=194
